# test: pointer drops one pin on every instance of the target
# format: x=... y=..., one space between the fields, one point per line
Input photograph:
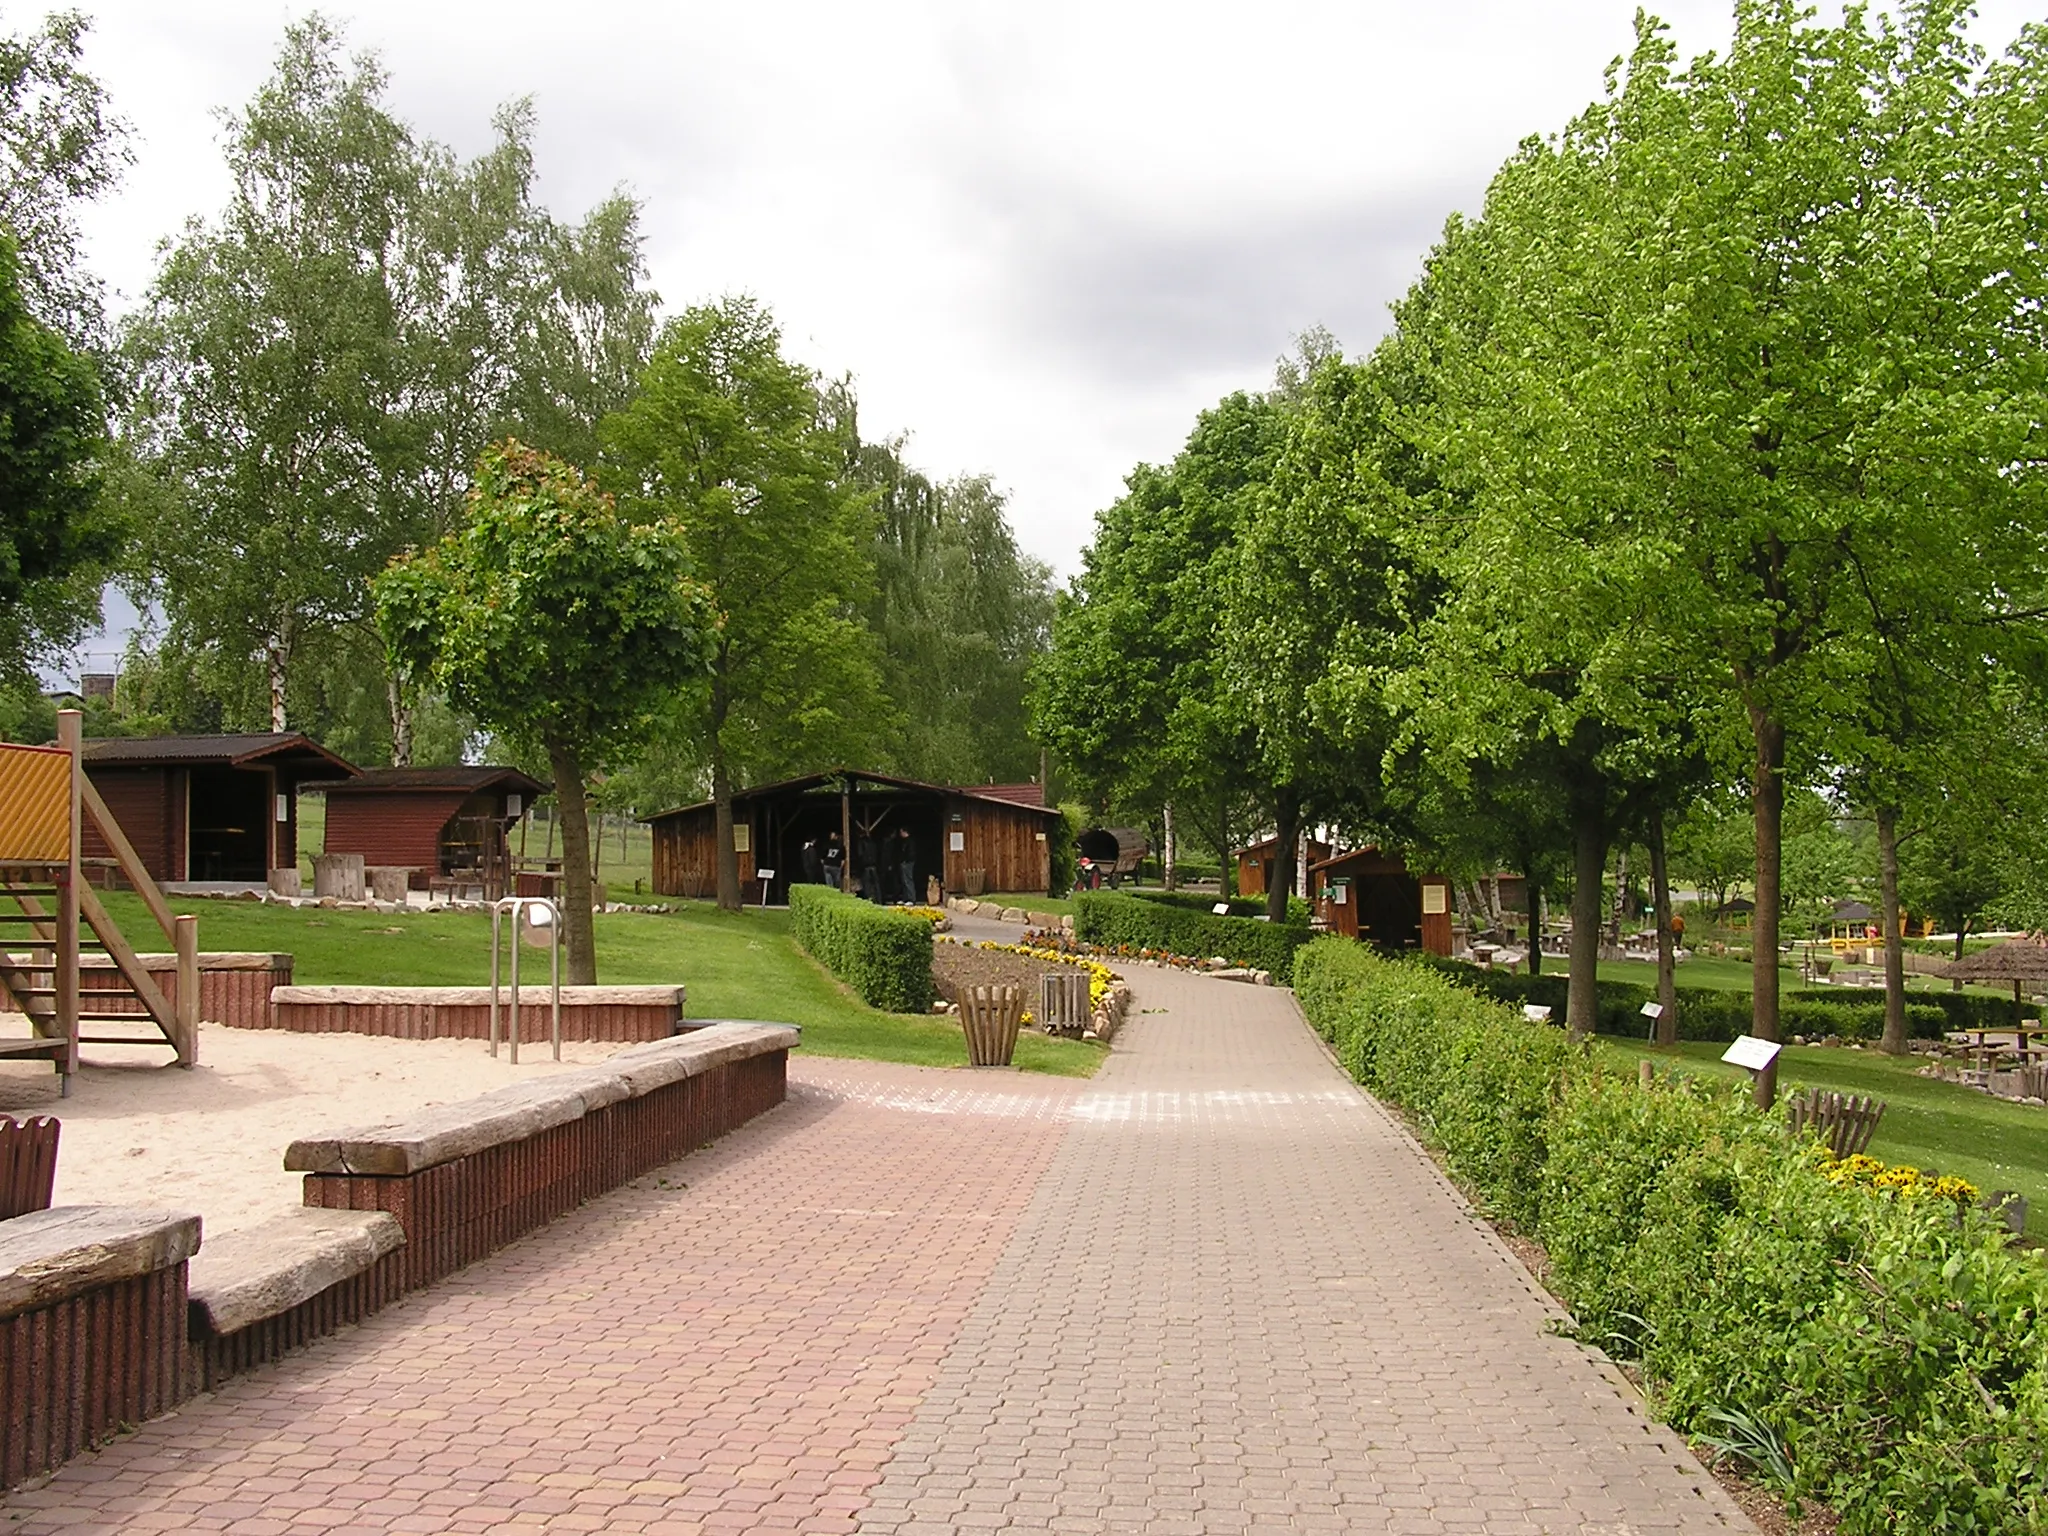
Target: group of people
x=885 y=868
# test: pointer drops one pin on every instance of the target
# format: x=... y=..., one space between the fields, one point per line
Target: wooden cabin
x=965 y=836
x=1371 y=895
x=207 y=809
x=445 y=823
x=1255 y=866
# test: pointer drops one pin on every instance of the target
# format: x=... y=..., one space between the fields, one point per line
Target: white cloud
x=1042 y=237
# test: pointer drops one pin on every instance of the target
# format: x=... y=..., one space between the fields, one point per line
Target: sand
x=211 y=1139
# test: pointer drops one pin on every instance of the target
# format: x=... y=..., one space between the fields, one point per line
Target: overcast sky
x=1040 y=236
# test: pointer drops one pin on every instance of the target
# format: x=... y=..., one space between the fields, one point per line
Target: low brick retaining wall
x=234 y=988
x=92 y=1328
x=464 y=1179
x=102 y=1325
x=623 y=1014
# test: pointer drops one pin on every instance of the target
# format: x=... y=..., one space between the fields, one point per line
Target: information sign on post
x=1536 y=1013
x=1750 y=1053
x=764 y=876
x=1221 y=909
x=1653 y=1012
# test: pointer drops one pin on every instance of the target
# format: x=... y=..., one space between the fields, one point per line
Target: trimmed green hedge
x=1894 y=1346
x=1240 y=906
x=1111 y=919
x=1705 y=1013
x=884 y=955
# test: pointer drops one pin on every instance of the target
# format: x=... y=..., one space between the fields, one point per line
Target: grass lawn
x=1929 y=1124
x=736 y=966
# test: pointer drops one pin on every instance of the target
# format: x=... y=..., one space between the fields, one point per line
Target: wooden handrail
x=131 y=862
x=124 y=956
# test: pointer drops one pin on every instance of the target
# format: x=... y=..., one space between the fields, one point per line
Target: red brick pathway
x=733 y=1344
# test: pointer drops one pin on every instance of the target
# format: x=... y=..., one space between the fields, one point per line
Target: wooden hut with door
x=1255 y=866
x=442 y=824
x=969 y=839
x=1371 y=895
x=207 y=809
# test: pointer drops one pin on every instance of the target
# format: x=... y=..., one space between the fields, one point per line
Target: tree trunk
x=1962 y=924
x=1893 y=1042
x=728 y=865
x=579 y=937
x=1537 y=911
x=1170 y=853
x=401 y=723
x=1589 y=864
x=1620 y=896
x=1490 y=889
x=1767 y=800
x=275 y=655
x=1667 y=956
x=1286 y=833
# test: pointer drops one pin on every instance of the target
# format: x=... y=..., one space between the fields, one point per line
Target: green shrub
x=1704 y=1013
x=1114 y=920
x=884 y=955
x=1893 y=1348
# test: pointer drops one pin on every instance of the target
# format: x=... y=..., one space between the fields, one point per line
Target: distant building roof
x=469 y=778
x=819 y=780
x=1021 y=794
x=234 y=751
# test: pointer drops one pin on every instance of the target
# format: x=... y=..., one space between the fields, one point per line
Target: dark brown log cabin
x=952 y=830
x=451 y=821
x=207 y=809
x=1370 y=895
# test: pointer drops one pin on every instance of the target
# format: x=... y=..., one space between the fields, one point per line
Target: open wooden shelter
x=207 y=809
x=971 y=840
x=1370 y=894
x=2022 y=961
x=452 y=822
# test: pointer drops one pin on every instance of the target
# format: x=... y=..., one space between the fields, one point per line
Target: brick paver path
x=1215 y=1289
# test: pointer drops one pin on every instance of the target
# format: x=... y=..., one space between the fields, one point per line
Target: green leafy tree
x=60 y=146
x=57 y=537
x=554 y=619
x=728 y=444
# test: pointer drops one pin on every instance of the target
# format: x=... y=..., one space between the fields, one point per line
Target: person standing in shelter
x=834 y=858
x=892 y=875
x=868 y=860
x=906 y=864
x=814 y=868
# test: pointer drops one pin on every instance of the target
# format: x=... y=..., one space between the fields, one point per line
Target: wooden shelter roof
x=243 y=750
x=2023 y=959
x=824 y=777
x=465 y=777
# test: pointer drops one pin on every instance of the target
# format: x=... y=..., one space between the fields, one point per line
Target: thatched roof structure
x=2015 y=960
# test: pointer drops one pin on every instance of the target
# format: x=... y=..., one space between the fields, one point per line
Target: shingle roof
x=467 y=777
x=235 y=750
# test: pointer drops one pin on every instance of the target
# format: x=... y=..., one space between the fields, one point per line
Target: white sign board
x=1536 y=1013
x=1435 y=900
x=1751 y=1053
x=957 y=841
x=764 y=874
x=1221 y=909
x=1340 y=895
x=1653 y=1010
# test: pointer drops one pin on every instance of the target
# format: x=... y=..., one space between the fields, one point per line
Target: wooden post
x=188 y=991
x=64 y=967
x=846 y=834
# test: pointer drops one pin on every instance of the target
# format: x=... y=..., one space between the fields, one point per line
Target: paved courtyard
x=1213 y=1289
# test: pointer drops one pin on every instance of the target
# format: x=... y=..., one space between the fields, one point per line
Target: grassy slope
x=738 y=966
x=1929 y=1124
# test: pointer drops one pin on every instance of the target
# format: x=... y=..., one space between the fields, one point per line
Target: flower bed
x=1108 y=998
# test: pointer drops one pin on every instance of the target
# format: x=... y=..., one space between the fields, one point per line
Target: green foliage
x=1885 y=1352
x=56 y=532
x=1062 y=854
x=1115 y=920
x=883 y=954
x=1707 y=1013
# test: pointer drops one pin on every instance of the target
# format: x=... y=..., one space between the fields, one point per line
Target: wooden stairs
x=50 y=917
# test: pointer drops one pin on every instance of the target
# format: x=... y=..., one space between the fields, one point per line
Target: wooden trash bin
x=1063 y=1001
x=991 y=1017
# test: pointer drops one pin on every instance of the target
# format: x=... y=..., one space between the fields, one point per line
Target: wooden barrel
x=991 y=1016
